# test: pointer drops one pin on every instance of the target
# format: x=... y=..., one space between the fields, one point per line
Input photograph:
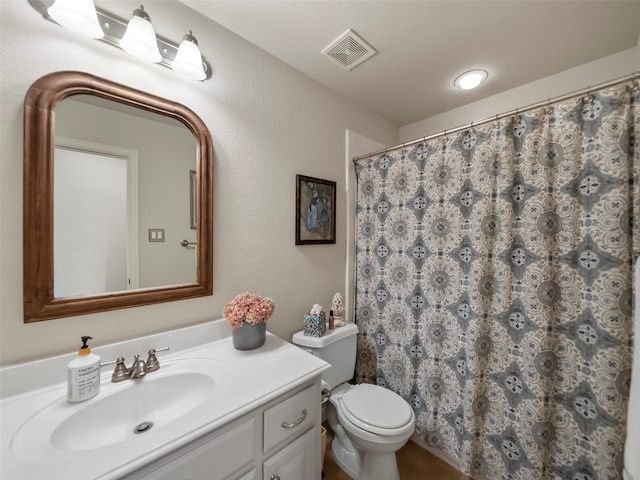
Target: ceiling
x=423 y=45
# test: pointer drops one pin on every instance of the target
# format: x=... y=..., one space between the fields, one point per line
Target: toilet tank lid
x=329 y=337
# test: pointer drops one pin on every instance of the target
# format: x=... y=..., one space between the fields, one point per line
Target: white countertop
x=254 y=377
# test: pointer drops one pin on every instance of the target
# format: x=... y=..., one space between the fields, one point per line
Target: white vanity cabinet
x=279 y=440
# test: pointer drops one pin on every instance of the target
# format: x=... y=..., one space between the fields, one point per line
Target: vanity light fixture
x=188 y=60
x=126 y=35
x=140 y=38
x=471 y=79
x=79 y=16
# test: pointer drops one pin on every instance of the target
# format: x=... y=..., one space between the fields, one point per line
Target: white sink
x=129 y=411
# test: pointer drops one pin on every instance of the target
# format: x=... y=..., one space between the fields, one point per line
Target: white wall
x=268 y=123
x=356 y=145
x=602 y=70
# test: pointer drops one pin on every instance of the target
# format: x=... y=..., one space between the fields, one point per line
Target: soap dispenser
x=83 y=374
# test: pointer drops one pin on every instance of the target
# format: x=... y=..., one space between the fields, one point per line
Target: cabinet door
x=297 y=461
x=214 y=459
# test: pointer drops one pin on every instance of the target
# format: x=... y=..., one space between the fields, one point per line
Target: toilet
x=370 y=423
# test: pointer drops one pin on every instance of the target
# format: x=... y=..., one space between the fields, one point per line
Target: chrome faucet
x=138 y=369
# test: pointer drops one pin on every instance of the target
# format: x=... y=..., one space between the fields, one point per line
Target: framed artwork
x=315 y=211
x=193 y=192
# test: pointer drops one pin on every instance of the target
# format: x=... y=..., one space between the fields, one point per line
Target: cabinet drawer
x=291 y=417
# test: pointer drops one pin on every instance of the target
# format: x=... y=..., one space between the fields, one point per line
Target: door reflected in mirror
x=92 y=218
x=110 y=196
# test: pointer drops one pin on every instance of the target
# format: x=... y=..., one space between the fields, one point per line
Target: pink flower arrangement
x=248 y=308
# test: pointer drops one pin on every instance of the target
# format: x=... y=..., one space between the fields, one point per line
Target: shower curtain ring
x=588 y=98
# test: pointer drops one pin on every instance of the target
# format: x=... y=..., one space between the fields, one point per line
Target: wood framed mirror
x=45 y=295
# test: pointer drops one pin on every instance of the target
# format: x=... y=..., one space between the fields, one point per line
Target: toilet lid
x=373 y=406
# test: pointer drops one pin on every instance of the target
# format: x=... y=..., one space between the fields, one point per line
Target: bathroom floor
x=414 y=463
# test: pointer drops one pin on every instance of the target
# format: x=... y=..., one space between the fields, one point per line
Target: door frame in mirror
x=39 y=142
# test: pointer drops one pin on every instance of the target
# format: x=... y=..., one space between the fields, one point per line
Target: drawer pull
x=297 y=422
x=275 y=477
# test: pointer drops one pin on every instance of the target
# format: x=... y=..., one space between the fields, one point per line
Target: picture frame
x=193 y=200
x=315 y=211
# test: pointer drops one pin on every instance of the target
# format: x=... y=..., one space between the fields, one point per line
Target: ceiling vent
x=349 y=50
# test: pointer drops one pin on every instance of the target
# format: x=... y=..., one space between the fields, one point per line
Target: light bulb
x=471 y=79
x=139 y=39
x=79 y=16
x=188 y=61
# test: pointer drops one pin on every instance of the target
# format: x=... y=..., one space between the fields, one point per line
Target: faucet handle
x=152 y=361
x=121 y=372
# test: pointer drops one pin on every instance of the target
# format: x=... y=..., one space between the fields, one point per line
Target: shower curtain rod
x=584 y=91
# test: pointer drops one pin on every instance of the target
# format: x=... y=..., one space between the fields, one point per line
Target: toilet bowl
x=370 y=424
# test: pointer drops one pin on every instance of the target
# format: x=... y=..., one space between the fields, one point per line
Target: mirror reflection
x=121 y=198
x=118 y=198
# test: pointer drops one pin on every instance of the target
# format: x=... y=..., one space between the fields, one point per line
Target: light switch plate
x=156 y=234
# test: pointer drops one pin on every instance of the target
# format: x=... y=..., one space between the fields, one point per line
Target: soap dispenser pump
x=83 y=374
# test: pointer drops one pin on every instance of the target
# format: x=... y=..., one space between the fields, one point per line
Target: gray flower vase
x=249 y=336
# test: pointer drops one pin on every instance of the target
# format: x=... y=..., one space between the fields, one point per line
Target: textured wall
x=268 y=123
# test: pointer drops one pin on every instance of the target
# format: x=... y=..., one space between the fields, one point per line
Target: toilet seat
x=377 y=410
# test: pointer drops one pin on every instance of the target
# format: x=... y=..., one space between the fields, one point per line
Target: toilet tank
x=336 y=347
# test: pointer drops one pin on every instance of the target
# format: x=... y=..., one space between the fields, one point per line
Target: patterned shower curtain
x=494 y=286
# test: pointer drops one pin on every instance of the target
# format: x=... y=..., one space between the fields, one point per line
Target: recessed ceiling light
x=471 y=79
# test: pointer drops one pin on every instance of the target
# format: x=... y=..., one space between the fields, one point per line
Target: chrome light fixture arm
x=114 y=28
